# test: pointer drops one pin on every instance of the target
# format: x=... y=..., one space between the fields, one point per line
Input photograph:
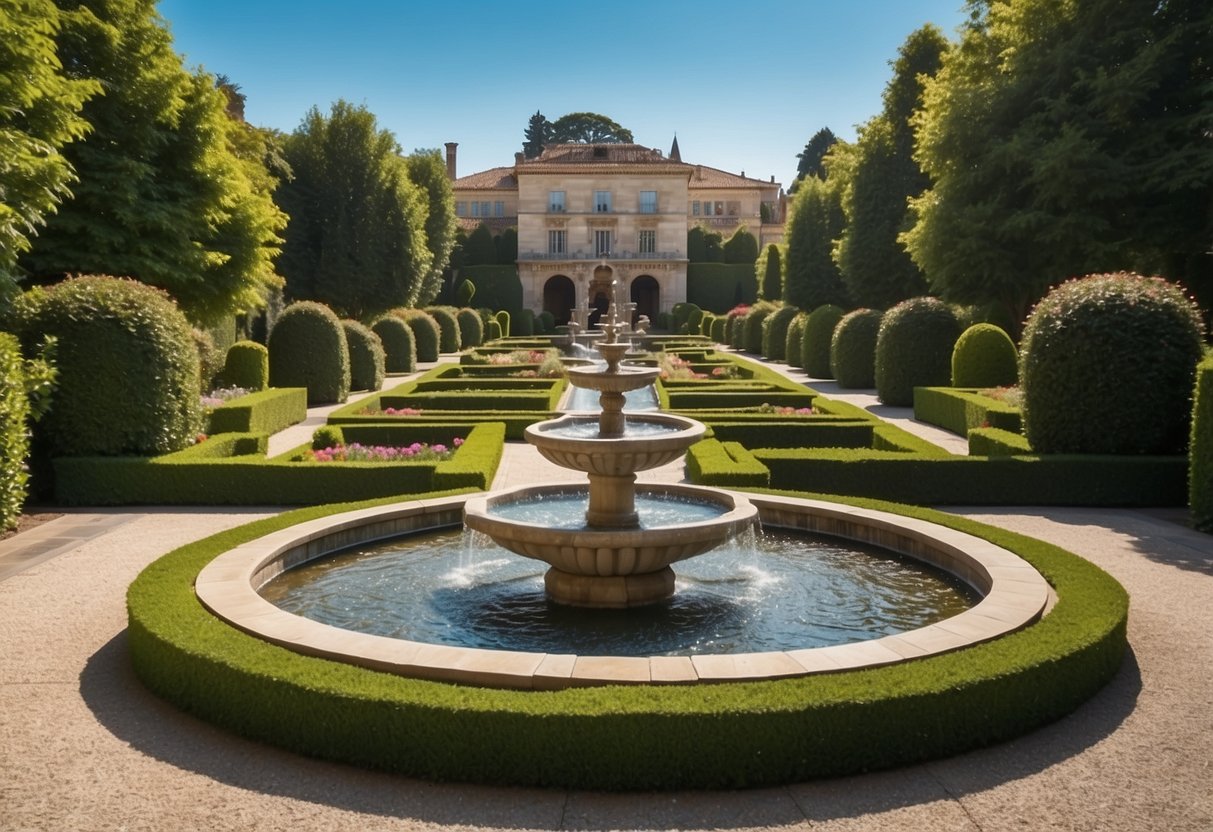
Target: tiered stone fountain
x=619 y=557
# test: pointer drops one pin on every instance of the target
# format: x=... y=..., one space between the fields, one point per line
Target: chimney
x=772 y=179
x=699 y=171
x=519 y=157
x=450 y=160
x=743 y=174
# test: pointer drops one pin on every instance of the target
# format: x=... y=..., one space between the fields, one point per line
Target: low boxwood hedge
x=636 y=737
x=725 y=464
x=997 y=442
x=266 y=411
x=230 y=469
x=959 y=410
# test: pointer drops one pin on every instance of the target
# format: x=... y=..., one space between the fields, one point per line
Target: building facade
x=591 y=214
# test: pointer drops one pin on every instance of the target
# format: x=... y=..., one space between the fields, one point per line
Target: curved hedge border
x=718 y=736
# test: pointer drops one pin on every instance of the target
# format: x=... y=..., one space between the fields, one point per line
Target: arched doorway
x=559 y=296
x=599 y=294
x=646 y=294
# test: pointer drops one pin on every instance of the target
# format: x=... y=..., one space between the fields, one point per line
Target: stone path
x=84 y=746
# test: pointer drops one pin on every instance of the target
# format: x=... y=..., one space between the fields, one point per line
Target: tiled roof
x=493 y=179
x=598 y=154
x=706 y=177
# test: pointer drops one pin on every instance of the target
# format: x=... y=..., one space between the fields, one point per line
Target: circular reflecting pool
x=772 y=591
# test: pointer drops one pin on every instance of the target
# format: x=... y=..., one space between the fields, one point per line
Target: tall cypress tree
x=815 y=221
x=427 y=171
x=538 y=133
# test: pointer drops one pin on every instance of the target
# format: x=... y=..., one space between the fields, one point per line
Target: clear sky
x=743 y=84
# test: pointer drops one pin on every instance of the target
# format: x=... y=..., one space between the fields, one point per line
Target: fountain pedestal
x=614 y=560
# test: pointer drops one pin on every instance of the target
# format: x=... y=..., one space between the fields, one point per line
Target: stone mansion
x=588 y=214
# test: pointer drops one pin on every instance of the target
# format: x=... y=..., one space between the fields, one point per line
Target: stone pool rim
x=1014 y=596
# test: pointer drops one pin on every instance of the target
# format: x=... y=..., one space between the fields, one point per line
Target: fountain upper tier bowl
x=620 y=381
x=649 y=440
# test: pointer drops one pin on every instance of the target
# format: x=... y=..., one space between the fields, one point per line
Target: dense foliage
x=366 y=356
x=812 y=157
x=770 y=267
x=775 y=333
x=357 y=239
x=427 y=171
x=247 y=365
x=448 y=327
x=751 y=328
x=39 y=116
x=984 y=356
x=818 y=337
x=14 y=431
x=815 y=221
x=793 y=347
x=914 y=349
x=471 y=328
x=1200 y=449
x=399 y=343
x=163 y=193
x=307 y=349
x=127 y=367
x=853 y=349
x=1085 y=341
x=742 y=247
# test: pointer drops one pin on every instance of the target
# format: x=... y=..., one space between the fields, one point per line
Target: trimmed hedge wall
x=14 y=435
x=267 y=411
x=630 y=737
x=997 y=442
x=960 y=410
x=1200 y=449
x=718 y=287
x=228 y=470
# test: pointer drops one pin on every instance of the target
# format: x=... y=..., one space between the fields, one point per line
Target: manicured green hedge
x=399 y=342
x=247 y=365
x=267 y=411
x=14 y=431
x=718 y=287
x=1200 y=449
x=818 y=337
x=960 y=410
x=997 y=442
x=914 y=349
x=308 y=349
x=726 y=465
x=793 y=432
x=984 y=356
x=207 y=475
x=630 y=737
x=1078 y=480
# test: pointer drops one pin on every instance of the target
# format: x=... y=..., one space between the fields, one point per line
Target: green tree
x=480 y=249
x=815 y=221
x=39 y=115
x=880 y=176
x=1067 y=139
x=162 y=196
x=812 y=158
x=427 y=170
x=742 y=247
x=590 y=128
x=538 y=133
x=771 y=275
x=357 y=240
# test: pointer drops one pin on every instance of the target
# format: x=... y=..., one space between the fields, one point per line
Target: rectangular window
x=648 y=202
x=461 y=209
x=602 y=202
x=557 y=241
x=475 y=209
x=719 y=210
x=484 y=209
x=498 y=209
x=602 y=243
x=695 y=208
x=556 y=202
x=646 y=242
x=734 y=208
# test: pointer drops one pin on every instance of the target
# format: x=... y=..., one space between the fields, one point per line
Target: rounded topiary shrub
x=751 y=338
x=448 y=327
x=793 y=345
x=984 y=356
x=366 y=356
x=523 y=323
x=247 y=365
x=818 y=337
x=775 y=332
x=1107 y=365
x=853 y=349
x=127 y=367
x=400 y=346
x=705 y=324
x=719 y=332
x=914 y=349
x=545 y=322
x=503 y=323
x=471 y=328
x=493 y=332
x=307 y=349
x=427 y=336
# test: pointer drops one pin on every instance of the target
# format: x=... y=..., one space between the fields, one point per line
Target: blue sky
x=744 y=85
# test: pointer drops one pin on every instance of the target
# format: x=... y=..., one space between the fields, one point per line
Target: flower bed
x=357 y=452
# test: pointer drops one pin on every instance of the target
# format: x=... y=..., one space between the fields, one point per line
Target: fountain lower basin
x=610 y=567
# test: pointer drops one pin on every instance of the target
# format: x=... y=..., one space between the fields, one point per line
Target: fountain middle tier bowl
x=621 y=381
x=649 y=440
x=518 y=520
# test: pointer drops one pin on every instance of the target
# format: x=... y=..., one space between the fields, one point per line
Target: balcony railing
x=616 y=255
